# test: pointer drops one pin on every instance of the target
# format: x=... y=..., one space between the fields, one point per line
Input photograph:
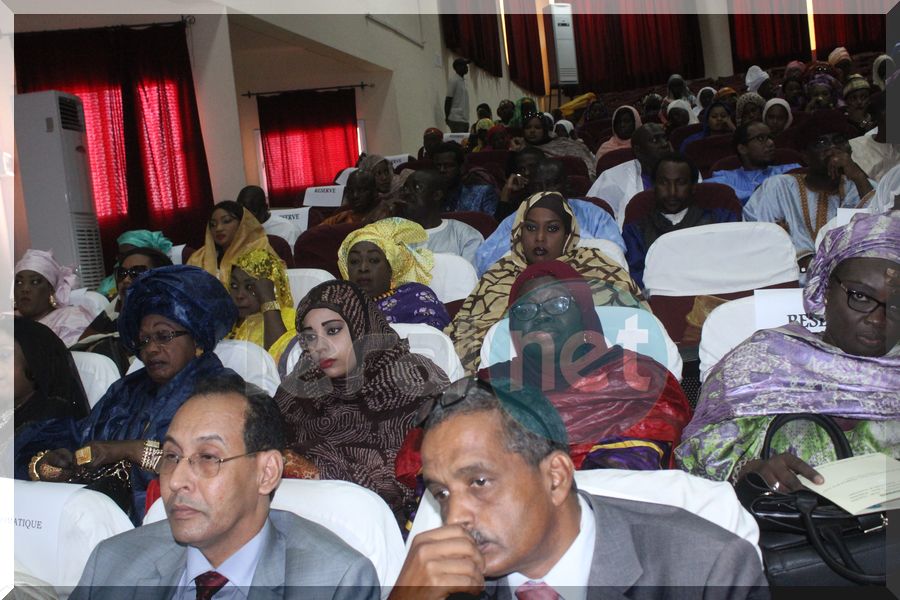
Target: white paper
x=459 y=138
x=860 y=484
x=326 y=195
x=397 y=160
x=297 y=216
x=777 y=307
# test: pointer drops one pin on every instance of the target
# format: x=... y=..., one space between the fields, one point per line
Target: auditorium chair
x=703 y=153
x=599 y=203
x=783 y=156
x=614 y=159
x=573 y=165
x=303 y=280
x=317 y=248
x=479 y=159
x=282 y=249
x=485 y=224
x=97 y=372
x=677 y=137
x=706 y=195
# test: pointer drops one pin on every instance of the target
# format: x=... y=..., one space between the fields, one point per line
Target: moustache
x=477 y=536
x=181 y=502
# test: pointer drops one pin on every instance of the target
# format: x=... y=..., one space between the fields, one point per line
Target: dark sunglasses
x=133 y=272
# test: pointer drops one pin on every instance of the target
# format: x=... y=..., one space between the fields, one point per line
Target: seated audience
x=253 y=198
x=777 y=116
x=137 y=238
x=803 y=203
x=841 y=61
x=622 y=410
x=221 y=532
x=758 y=81
x=793 y=91
x=172 y=320
x=352 y=398
x=545 y=229
x=423 y=196
x=873 y=153
x=619 y=184
x=386 y=182
x=651 y=105
x=850 y=373
x=882 y=68
x=625 y=121
x=704 y=100
x=729 y=97
x=481 y=128
x=527 y=106
x=41 y=288
x=102 y=335
x=550 y=176
x=678 y=90
x=46 y=384
x=754 y=143
x=360 y=198
x=537 y=129
x=679 y=113
x=822 y=92
x=232 y=231
x=565 y=128
x=717 y=121
x=498 y=138
x=506 y=110
x=749 y=108
x=474 y=191
x=520 y=169
x=673 y=186
x=430 y=140
x=857 y=92
x=381 y=259
x=514 y=522
x=262 y=294
x=795 y=68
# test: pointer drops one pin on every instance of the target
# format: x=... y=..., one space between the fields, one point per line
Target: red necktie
x=208 y=584
x=536 y=590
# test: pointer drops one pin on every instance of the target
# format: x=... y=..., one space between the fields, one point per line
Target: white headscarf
x=61 y=278
x=755 y=78
x=782 y=103
x=686 y=106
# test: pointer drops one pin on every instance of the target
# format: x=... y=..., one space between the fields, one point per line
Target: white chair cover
x=433 y=344
x=714 y=501
x=97 y=373
x=344 y=175
x=396 y=160
x=355 y=514
x=727 y=325
x=246 y=359
x=326 y=195
x=608 y=248
x=57 y=527
x=459 y=138
x=453 y=277
x=720 y=259
x=175 y=253
x=303 y=280
x=423 y=339
x=634 y=329
x=94 y=302
x=298 y=216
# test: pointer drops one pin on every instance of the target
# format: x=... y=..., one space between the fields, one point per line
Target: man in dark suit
x=497 y=463
x=219 y=465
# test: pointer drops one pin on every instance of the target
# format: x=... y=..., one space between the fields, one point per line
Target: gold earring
x=53 y=302
x=198 y=352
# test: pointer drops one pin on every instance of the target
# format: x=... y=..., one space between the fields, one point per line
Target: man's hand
x=780 y=472
x=440 y=562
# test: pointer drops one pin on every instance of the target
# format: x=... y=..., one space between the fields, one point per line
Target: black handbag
x=113 y=479
x=807 y=540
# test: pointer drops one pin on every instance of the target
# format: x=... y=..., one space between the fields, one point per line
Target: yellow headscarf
x=394 y=236
x=250 y=236
x=262 y=264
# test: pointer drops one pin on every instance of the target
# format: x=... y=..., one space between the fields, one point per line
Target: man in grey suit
x=497 y=463
x=219 y=465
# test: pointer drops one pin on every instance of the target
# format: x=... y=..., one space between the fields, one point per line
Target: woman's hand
x=57 y=465
x=780 y=472
x=264 y=290
x=516 y=144
x=107 y=453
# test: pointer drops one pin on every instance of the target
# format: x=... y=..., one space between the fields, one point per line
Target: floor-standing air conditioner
x=56 y=182
x=560 y=32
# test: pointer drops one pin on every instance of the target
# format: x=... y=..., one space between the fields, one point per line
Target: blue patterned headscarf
x=184 y=294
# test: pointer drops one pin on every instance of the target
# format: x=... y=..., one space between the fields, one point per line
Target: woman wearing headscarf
x=795 y=68
x=137 y=238
x=705 y=97
x=850 y=372
x=172 y=320
x=749 y=108
x=626 y=120
x=353 y=397
x=497 y=138
x=232 y=230
x=882 y=68
x=777 y=116
x=41 y=293
x=387 y=184
x=537 y=133
x=262 y=294
x=717 y=121
x=793 y=91
x=729 y=96
x=482 y=127
x=46 y=381
x=388 y=260
x=545 y=229
x=621 y=409
x=823 y=92
x=524 y=106
x=857 y=92
x=678 y=90
x=678 y=114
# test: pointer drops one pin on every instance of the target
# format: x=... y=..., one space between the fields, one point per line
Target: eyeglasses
x=133 y=272
x=825 y=141
x=206 y=466
x=453 y=394
x=160 y=338
x=762 y=138
x=527 y=311
x=864 y=303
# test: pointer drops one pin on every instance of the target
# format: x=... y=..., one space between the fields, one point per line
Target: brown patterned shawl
x=352 y=428
x=610 y=284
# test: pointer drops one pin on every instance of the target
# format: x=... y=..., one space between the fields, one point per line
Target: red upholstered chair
x=703 y=153
x=317 y=247
x=578 y=185
x=414 y=164
x=317 y=214
x=573 y=165
x=496 y=157
x=484 y=223
x=186 y=253
x=282 y=249
x=682 y=133
x=783 y=156
x=614 y=159
x=598 y=202
x=706 y=195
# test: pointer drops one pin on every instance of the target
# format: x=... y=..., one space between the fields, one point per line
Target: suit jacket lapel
x=269 y=578
x=615 y=566
x=169 y=569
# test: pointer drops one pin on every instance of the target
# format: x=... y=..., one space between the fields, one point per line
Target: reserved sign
x=397 y=160
x=778 y=307
x=327 y=195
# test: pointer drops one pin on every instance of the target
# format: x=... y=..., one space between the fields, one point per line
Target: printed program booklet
x=860 y=484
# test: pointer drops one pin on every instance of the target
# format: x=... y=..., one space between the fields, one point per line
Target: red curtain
x=840 y=23
x=307 y=137
x=631 y=49
x=771 y=37
x=148 y=163
x=523 y=44
x=474 y=36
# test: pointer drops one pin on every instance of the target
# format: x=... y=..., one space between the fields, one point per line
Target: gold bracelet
x=271 y=305
x=32 y=466
x=150 y=455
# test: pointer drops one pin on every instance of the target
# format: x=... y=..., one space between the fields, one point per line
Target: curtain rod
x=361 y=85
x=187 y=20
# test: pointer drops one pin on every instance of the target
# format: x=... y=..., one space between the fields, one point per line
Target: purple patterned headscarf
x=866 y=236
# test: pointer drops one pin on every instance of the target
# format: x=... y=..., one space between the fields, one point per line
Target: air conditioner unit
x=56 y=182
x=560 y=33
